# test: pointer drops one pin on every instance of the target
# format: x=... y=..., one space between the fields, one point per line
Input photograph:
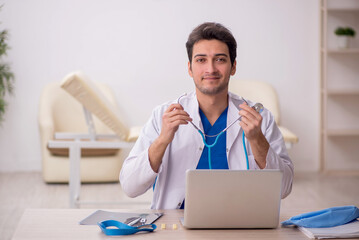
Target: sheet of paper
x=127 y=218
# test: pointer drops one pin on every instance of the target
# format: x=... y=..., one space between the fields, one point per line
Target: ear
x=234 y=68
x=190 y=69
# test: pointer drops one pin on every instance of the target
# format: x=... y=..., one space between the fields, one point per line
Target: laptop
x=232 y=198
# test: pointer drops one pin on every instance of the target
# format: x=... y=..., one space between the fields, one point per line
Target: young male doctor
x=168 y=145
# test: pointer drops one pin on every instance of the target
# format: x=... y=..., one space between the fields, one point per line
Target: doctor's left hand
x=251 y=122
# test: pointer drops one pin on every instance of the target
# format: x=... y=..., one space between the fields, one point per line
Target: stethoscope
x=258 y=107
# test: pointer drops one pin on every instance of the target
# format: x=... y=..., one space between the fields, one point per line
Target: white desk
x=63 y=224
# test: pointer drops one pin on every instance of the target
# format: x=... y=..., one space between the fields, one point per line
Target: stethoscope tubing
x=218 y=135
x=198 y=129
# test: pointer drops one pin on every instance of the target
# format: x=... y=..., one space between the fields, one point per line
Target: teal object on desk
x=123 y=229
x=329 y=217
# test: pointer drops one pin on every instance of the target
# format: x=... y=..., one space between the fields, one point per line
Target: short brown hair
x=209 y=31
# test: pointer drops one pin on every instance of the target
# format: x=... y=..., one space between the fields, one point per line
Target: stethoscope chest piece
x=258 y=107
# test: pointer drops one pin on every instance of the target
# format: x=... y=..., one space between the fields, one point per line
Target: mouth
x=211 y=78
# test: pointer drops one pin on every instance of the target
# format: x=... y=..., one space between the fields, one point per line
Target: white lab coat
x=184 y=152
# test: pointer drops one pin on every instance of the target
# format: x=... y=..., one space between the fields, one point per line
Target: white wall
x=138 y=48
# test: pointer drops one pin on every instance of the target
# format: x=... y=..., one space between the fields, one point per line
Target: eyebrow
x=216 y=55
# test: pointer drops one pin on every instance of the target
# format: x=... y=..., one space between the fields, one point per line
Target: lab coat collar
x=192 y=108
x=232 y=115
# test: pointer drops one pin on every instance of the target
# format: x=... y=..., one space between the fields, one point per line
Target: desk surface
x=64 y=224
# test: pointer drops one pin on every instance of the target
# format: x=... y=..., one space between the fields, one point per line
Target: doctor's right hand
x=171 y=119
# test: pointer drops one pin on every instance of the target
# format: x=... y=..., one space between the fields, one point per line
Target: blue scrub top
x=218 y=151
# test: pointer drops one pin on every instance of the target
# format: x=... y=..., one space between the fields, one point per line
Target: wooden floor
x=19 y=191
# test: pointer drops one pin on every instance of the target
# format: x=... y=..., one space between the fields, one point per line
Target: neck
x=212 y=105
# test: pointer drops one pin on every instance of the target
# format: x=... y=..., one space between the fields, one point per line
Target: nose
x=211 y=67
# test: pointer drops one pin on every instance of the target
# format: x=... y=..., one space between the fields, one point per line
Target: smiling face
x=211 y=66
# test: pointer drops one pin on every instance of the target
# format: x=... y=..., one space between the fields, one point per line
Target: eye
x=200 y=60
x=221 y=60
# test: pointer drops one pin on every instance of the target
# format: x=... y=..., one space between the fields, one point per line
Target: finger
x=248 y=115
x=244 y=126
x=248 y=123
x=248 y=108
x=174 y=115
x=179 y=117
x=250 y=133
x=174 y=106
x=176 y=112
x=251 y=110
x=179 y=122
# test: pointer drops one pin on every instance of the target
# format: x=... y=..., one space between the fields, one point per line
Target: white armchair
x=60 y=112
x=72 y=151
